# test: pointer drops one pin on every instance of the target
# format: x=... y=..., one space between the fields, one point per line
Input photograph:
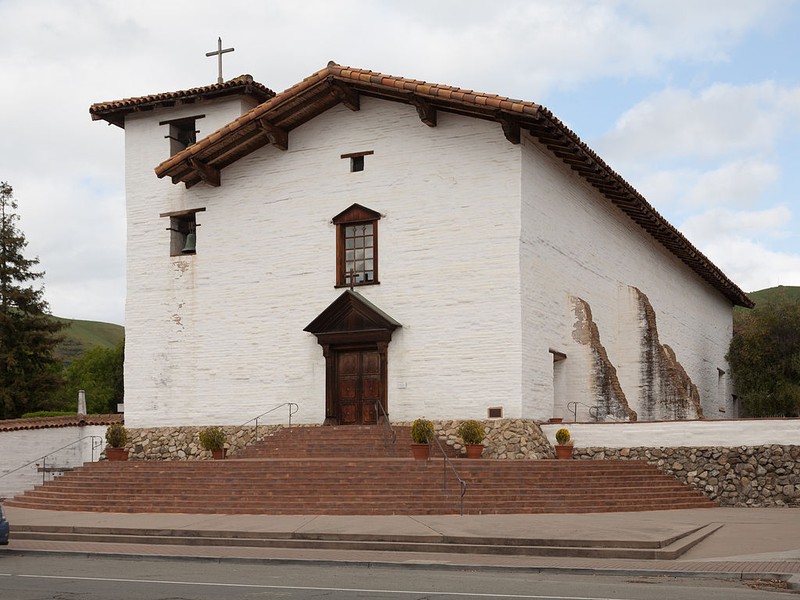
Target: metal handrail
x=446 y=463
x=44 y=458
x=274 y=408
x=574 y=410
x=386 y=423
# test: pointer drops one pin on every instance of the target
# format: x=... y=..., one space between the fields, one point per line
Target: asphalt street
x=44 y=577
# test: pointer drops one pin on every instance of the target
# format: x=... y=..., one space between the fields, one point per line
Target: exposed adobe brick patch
x=608 y=391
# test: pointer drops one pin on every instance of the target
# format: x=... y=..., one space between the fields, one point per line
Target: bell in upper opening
x=191 y=241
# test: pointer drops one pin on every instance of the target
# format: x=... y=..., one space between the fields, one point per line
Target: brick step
x=362 y=480
x=450 y=507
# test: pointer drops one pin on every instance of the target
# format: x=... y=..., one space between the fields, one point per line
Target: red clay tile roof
x=115 y=111
x=64 y=421
x=271 y=122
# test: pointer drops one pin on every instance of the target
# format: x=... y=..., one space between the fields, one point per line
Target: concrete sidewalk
x=745 y=542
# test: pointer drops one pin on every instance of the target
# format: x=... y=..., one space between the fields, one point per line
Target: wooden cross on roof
x=218 y=53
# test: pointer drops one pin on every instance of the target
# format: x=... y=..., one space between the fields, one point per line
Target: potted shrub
x=213 y=439
x=473 y=434
x=421 y=433
x=116 y=438
x=563 y=443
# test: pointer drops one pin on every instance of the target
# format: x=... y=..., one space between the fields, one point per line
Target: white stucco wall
x=218 y=337
x=673 y=434
x=22 y=446
x=574 y=243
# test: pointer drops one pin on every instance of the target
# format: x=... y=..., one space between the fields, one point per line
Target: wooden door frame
x=330 y=351
x=351 y=322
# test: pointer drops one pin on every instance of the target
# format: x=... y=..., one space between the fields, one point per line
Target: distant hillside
x=79 y=336
x=788 y=292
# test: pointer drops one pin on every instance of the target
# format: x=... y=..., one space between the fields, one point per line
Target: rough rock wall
x=733 y=476
x=667 y=392
x=183 y=443
x=510 y=439
x=609 y=396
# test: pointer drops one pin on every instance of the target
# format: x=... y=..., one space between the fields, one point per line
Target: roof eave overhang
x=272 y=121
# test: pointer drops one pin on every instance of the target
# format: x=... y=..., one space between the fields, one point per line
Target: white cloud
x=738 y=242
x=720 y=224
x=753 y=266
x=721 y=121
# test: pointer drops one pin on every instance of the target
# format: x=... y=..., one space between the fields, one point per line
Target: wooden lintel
x=208 y=174
x=426 y=112
x=345 y=94
x=510 y=128
x=277 y=137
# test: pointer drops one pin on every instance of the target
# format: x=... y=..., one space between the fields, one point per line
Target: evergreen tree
x=29 y=373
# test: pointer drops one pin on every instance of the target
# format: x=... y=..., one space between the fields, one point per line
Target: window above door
x=356 y=246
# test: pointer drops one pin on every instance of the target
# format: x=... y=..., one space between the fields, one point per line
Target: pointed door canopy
x=352 y=319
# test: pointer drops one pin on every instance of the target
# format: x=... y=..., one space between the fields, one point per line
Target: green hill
x=79 y=336
x=773 y=294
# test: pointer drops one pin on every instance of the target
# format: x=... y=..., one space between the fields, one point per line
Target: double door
x=359 y=385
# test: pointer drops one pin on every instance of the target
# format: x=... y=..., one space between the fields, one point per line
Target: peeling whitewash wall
x=484 y=247
x=578 y=250
x=25 y=445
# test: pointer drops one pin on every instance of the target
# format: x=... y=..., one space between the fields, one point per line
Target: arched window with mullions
x=356 y=246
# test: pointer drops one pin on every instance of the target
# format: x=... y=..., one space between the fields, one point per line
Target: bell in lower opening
x=191 y=240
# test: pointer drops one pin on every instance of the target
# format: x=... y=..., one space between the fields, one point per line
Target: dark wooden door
x=358 y=386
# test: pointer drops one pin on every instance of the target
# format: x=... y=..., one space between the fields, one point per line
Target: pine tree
x=29 y=373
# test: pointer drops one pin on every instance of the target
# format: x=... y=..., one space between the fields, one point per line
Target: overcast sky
x=696 y=103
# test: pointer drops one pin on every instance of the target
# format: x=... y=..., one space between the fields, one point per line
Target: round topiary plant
x=422 y=431
x=116 y=436
x=562 y=436
x=212 y=438
x=472 y=432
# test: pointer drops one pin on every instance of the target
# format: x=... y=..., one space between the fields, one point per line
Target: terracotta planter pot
x=116 y=453
x=474 y=450
x=219 y=454
x=421 y=451
x=555 y=420
x=563 y=451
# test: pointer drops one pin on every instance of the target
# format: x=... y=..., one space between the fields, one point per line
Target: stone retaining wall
x=510 y=439
x=183 y=443
x=734 y=476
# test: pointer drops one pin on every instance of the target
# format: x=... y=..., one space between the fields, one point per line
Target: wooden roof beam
x=207 y=173
x=425 y=110
x=510 y=128
x=345 y=94
x=277 y=137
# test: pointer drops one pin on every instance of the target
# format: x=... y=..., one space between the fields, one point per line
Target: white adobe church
x=363 y=238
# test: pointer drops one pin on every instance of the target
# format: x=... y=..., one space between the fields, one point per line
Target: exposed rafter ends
x=208 y=174
x=270 y=122
x=510 y=128
x=277 y=137
x=345 y=94
x=426 y=112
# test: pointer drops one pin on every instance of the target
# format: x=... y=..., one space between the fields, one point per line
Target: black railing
x=293 y=408
x=593 y=410
x=432 y=437
x=96 y=442
x=389 y=433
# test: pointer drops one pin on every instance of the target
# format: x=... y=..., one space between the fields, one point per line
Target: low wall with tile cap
x=674 y=434
x=22 y=445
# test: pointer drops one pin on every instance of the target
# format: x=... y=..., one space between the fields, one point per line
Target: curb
x=793 y=581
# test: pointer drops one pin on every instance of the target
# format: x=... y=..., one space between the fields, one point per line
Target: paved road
x=40 y=577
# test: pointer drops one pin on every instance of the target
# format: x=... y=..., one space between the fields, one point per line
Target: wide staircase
x=352 y=471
